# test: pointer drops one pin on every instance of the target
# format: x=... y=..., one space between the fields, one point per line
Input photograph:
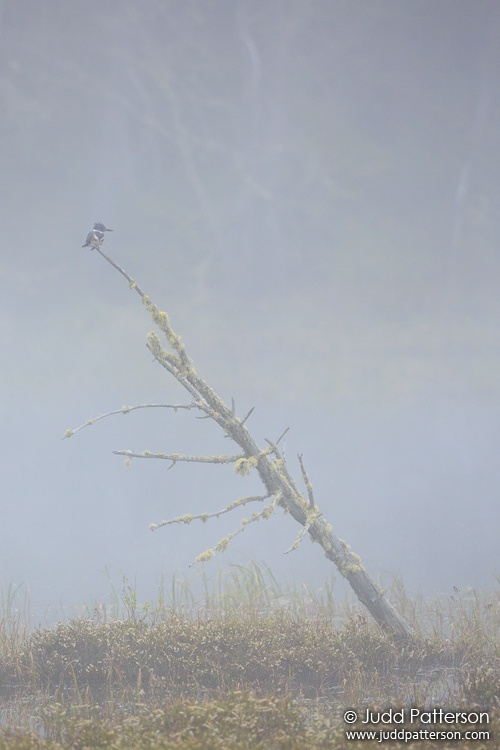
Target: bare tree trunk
x=271 y=467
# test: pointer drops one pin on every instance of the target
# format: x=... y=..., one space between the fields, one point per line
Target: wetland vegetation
x=248 y=664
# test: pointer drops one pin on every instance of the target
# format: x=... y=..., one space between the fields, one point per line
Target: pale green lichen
x=223 y=543
x=268 y=512
x=351 y=569
x=161 y=319
x=205 y=556
x=243 y=465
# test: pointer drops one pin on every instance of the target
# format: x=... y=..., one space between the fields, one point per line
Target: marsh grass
x=246 y=664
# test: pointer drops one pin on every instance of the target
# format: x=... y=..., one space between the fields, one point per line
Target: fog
x=311 y=191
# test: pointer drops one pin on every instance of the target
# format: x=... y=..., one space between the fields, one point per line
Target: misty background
x=311 y=190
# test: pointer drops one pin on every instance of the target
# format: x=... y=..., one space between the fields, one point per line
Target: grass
x=249 y=665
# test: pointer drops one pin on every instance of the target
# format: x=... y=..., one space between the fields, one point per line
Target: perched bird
x=95 y=238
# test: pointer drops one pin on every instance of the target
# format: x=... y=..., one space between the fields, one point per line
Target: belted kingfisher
x=95 y=238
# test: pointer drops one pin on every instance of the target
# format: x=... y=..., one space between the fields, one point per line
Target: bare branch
x=175 y=457
x=126 y=410
x=187 y=518
x=282 y=436
x=173 y=365
x=160 y=318
x=248 y=414
x=223 y=543
x=132 y=283
x=303 y=531
x=307 y=483
x=283 y=466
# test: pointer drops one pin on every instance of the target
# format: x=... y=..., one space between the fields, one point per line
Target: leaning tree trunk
x=270 y=465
